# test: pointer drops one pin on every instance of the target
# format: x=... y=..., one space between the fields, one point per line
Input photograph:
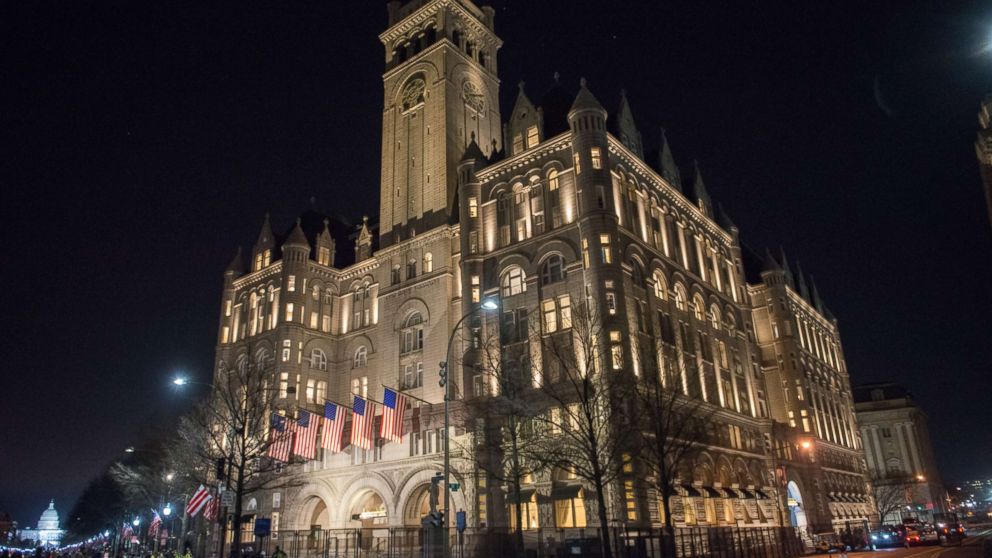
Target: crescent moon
x=879 y=99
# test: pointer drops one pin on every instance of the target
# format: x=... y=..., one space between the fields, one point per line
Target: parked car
x=827 y=542
x=886 y=536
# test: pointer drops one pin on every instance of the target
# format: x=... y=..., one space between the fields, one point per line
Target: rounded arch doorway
x=368 y=511
x=797 y=515
x=418 y=506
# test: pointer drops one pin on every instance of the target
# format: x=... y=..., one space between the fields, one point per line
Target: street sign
x=460 y=520
x=263 y=527
x=454 y=486
x=227 y=499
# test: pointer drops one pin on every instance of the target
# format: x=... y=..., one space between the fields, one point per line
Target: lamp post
x=445 y=382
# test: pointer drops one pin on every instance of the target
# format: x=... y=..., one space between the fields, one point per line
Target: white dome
x=49 y=518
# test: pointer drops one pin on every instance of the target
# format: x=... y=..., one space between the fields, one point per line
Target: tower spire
x=803 y=289
x=699 y=191
x=669 y=170
x=785 y=267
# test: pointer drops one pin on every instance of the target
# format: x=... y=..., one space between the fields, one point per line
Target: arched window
x=660 y=286
x=321 y=394
x=316 y=292
x=715 y=317
x=361 y=357
x=553 y=270
x=514 y=281
x=412 y=336
x=731 y=322
x=636 y=274
x=411 y=269
x=318 y=359
x=503 y=217
x=428 y=262
x=698 y=307
x=554 y=198
x=680 y=297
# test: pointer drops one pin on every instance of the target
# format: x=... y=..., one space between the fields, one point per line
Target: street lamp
x=136 y=522
x=167 y=511
x=445 y=382
x=180 y=381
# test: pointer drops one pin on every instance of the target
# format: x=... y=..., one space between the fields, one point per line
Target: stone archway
x=368 y=510
x=797 y=513
x=417 y=505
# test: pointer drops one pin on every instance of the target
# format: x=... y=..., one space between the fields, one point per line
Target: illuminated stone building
x=898 y=450
x=557 y=205
x=48 y=532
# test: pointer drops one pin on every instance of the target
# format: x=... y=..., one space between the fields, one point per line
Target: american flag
x=362 y=423
x=393 y=410
x=213 y=508
x=155 y=524
x=281 y=440
x=199 y=499
x=333 y=420
x=306 y=436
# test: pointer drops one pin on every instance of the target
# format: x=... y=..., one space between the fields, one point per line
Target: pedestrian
x=278 y=553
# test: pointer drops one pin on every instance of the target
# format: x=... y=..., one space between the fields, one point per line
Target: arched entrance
x=368 y=511
x=797 y=515
x=417 y=506
x=319 y=518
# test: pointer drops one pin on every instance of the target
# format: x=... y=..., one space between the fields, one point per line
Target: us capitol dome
x=48 y=532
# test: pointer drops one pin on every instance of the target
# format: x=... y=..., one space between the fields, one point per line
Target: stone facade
x=563 y=207
x=897 y=446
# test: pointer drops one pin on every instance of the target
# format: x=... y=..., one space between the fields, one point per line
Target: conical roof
x=698 y=186
x=265 y=237
x=297 y=237
x=769 y=263
x=585 y=100
x=723 y=219
x=237 y=265
x=472 y=152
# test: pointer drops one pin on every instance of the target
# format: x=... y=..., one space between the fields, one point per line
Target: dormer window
x=532 y=136
x=324 y=255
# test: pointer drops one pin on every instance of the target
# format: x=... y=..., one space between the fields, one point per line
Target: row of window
x=411 y=268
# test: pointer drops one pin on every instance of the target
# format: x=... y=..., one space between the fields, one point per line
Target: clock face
x=413 y=93
x=472 y=96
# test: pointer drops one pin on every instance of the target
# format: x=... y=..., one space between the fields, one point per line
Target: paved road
x=971 y=548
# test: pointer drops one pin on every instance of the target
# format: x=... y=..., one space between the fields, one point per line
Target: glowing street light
x=167 y=511
x=920 y=478
x=180 y=381
x=805 y=444
x=136 y=522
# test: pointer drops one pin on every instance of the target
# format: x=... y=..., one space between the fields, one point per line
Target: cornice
x=417 y=18
x=419 y=241
x=264 y=273
x=673 y=196
x=527 y=158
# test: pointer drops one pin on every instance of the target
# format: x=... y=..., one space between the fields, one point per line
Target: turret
x=817 y=302
x=587 y=120
x=296 y=244
x=262 y=253
x=234 y=269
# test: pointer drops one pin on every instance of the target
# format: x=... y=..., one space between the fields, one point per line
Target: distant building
x=983 y=148
x=897 y=446
x=48 y=532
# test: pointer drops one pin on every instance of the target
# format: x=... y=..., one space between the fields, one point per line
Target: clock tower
x=441 y=91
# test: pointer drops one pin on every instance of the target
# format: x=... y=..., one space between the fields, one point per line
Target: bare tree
x=502 y=414
x=890 y=496
x=234 y=425
x=585 y=394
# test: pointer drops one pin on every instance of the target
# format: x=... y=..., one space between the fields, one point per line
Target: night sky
x=143 y=141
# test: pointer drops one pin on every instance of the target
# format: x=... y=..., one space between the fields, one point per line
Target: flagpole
x=405 y=394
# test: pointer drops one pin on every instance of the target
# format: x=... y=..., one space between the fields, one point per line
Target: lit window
x=324 y=255
x=630 y=498
x=412 y=336
x=321 y=394
x=680 y=297
x=311 y=385
x=697 y=307
x=227 y=308
x=473 y=242
x=604 y=246
x=585 y=253
x=473 y=206
x=715 y=317
x=289 y=312
x=283 y=385
x=576 y=164
x=514 y=282
x=428 y=262
x=291 y=283
x=611 y=303
x=660 y=286
x=532 y=136
x=476 y=289
x=552 y=180
x=314 y=316
x=361 y=357
x=356 y=386
x=518 y=143
x=616 y=350
x=597 y=158
x=225 y=334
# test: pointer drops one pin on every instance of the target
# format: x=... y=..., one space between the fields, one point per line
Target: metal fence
x=413 y=542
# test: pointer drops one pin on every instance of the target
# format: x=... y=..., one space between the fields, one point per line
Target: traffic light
x=443 y=373
x=221 y=468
